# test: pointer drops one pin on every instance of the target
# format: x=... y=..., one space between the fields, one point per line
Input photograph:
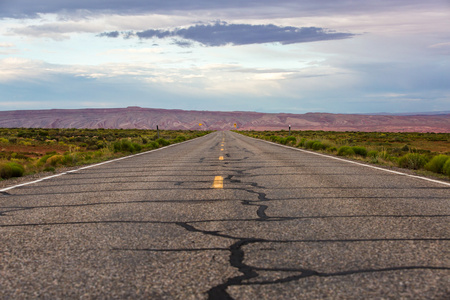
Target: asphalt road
x=226 y=217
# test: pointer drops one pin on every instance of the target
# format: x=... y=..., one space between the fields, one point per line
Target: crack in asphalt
x=237 y=253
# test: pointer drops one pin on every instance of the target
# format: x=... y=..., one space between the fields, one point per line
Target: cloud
x=6 y=45
x=32 y=8
x=112 y=34
x=58 y=30
x=221 y=33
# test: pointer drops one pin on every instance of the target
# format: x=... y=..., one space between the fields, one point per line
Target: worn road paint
x=220 y=157
x=218 y=182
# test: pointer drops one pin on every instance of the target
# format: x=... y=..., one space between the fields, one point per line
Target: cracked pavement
x=286 y=225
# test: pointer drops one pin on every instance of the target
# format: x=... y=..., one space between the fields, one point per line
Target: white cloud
x=7 y=45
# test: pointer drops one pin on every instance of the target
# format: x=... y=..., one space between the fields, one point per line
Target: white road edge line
x=92 y=166
x=356 y=163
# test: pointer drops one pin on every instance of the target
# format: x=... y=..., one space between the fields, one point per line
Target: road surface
x=226 y=217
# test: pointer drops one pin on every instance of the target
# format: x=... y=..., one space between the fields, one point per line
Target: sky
x=291 y=56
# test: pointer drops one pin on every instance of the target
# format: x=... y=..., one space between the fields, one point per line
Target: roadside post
x=157 y=131
x=289 y=130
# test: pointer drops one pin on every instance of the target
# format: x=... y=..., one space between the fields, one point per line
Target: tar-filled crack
x=249 y=274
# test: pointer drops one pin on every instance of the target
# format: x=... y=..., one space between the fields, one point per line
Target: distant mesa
x=148 y=118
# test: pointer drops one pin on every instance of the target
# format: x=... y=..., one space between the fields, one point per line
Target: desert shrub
x=309 y=144
x=413 y=161
x=446 y=168
x=345 y=151
x=4 y=141
x=360 y=151
x=290 y=140
x=101 y=144
x=180 y=138
x=384 y=155
x=69 y=159
x=49 y=169
x=162 y=142
x=152 y=145
x=126 y=146
x=327 y=145
x=10 y=170
x=274 y=138
x=332 y=149
x=302 y=143
x=372 y=154
x=54 y=160
x=436 y=164
x=317 y=146
x=281 y=140
x=136 y=147
x=98 y=154
x=44 y=159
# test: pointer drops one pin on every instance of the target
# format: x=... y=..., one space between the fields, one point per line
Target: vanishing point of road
x=226 y=217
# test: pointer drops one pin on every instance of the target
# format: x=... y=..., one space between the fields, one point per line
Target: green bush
x=360 y=151
x=413 y=161
x=152 y=145
x=317 y=146
x=328 y=145
x=54 y=160
x=180 y=138
x=69 y=159
x=10 y=170
x=49 y=169
x=309 y=144
x=372 y=154
x=274 y=138
x=136 y=147
x=345 y=151
x=126 y=146
x=302 y=143
x=290 y=140
x=436 y=164
x=332 y=149
x=44 y=158
x=282 y=140
x=446 y=168
x=163 y=142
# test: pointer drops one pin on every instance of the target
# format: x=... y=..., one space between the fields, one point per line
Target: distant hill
x=148 y=118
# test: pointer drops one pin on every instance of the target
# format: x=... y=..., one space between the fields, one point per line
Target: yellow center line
x=220 y=157
x=221 y=149
x=218 y=182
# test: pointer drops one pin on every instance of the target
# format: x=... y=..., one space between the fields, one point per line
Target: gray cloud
x=221 y=33
x=112 y=34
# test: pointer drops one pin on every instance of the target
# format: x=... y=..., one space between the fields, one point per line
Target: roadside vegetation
x=26 y=151
x=426 y=152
